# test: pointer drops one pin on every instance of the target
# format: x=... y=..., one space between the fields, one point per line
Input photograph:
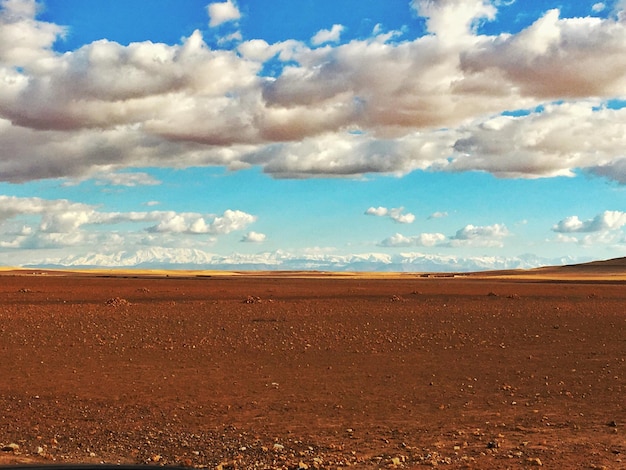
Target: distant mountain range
x=180 y=258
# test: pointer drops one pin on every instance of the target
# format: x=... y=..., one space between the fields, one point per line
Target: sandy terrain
x=515 y=370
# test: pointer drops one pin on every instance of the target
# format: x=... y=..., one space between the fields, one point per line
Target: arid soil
x=278 y=371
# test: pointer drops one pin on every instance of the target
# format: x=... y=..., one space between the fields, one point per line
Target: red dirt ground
x=282 y=372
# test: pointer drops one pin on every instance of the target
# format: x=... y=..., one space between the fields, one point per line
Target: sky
x=405 y=135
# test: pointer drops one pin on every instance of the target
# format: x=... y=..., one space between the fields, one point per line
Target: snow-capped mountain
x=187 y=258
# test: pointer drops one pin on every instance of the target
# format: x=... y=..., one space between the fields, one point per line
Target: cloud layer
x=490 y=236
x=41 y=223
x=435 y=102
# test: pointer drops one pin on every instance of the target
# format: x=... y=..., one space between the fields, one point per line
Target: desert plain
x=311 y=370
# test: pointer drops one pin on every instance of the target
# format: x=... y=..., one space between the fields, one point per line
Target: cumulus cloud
x=470 y=232
x=552 y=141
x=482 y=236
x=24 y=42
x=606 y=221
x=594 y=239
x=490 y=236
x=253 y=237
x=533 y=62
x=65 y=220
x=395 y=214
x=222 y=12
x=377 y=211
x=453 y=20
x=327 y=35
x=423 y=239
x=438 y=215
x=435 y=102
x=192 y=223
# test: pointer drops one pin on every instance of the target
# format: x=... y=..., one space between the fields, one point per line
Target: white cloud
x=606 y=221
x=620 y=9
x=434 y=102
x=594 y=239
x=222 y=12
x=327 y=35
x=481 y=236
x=127 y=179
x=552 y=59
x=377 y=211
x=11 y=206
x=550 y=142
x=231 y=221
x=468 y=236
x=470 y=232
x=24 y=42
x=63 y=223
x=253 y=237
x=423 y=239
x=395 y=214
x=235 y=37
x=598 y=7
x=438 y=215
x=454 y=20
x=191 y=223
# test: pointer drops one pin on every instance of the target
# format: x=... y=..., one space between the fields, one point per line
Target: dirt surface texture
x=304 y=371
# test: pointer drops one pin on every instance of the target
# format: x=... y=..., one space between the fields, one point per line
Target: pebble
x=11 y=448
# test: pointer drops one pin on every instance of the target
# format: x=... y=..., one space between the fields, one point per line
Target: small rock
x=612 y=424
x=11 y=447
x=395 y=461
x=302 y=466
x=117 y=302
x=278 y=447
x=536 y=461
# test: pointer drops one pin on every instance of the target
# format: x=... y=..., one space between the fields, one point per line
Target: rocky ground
x=281 y=372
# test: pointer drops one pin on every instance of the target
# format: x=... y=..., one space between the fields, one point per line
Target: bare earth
x=288 y=371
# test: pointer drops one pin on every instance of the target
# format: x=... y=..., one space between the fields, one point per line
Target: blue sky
x=380 y=135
